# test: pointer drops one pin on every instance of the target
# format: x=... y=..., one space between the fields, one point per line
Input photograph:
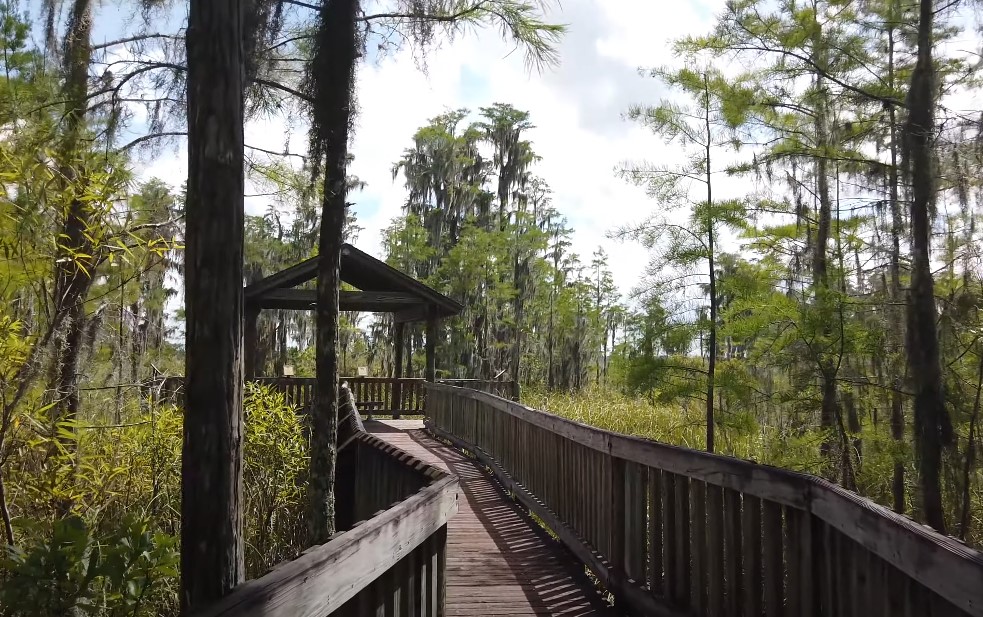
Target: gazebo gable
x=381 y=288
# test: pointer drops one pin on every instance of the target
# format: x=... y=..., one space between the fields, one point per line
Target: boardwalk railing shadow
x=673 y=531
x=499 y=561
x=525 y=546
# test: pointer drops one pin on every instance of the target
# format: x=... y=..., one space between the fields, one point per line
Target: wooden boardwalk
x=498 y=561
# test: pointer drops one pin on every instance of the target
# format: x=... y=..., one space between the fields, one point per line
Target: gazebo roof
x=382 y=289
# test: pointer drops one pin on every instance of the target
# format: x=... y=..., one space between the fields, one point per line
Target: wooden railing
x=392 y=562
x=673 y=531
x=502 y=388
x=388 y=395
x=373 y=395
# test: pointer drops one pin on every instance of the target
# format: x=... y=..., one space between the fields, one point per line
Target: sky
x=576 y=108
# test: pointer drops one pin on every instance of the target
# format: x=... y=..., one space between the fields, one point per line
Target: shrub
x=70 y=569
x=97 y=507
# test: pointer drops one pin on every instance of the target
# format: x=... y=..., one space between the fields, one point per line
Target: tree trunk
x=965 y=520
x=521 y=278
x=932 y=427
x=211 y=470
x=820 y=263
x=712 y=342
x=332 y=78
x=75 y=261
x=279 y=344
x=897 y=404
x=550 y=344
x=138 y=341
x=409 y=355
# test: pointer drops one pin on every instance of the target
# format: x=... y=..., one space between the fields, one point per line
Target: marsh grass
x=777 y=439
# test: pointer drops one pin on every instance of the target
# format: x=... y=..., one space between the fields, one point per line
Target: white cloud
x=576 y=109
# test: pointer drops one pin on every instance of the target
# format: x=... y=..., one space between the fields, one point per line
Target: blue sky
x=576 y=107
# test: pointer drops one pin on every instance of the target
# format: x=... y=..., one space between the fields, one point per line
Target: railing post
x=431 y=349
x=441 y=571
x=251 y=341
x=617 y=504
x=398 y=333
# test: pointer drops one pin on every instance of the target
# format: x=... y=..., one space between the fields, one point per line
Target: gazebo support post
x=431 y=349
x=250 y=341
x=398 y=344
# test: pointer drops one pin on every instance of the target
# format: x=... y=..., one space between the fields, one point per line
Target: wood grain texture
x=212 y=558
x=324 y=578
x=938 y=565
x=498 y=561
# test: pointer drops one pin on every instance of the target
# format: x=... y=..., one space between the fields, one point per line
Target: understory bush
x=96 y=507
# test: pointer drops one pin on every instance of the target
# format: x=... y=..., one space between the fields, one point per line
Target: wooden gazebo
x=380 y=289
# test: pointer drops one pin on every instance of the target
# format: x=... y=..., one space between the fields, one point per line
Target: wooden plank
x=669 y=549
x=633 y=596
x=433 y=577
x=698 y=547
x=751 y=532
x=767 y=482
x=942 y=564
x=858 y=560
x=407 y=595
x=440 y=567
x=655 y=530
x=636 y=539
x=796 y=596
x=946 y=566
x=878 y=598
x=306 y=299
x=733 y=581
x=322 y=580
x=682 y=533
x=843 y=549
x=616 y=484
x=773 y=566
x=390 y=597
x=423 y=579
x=715 y=551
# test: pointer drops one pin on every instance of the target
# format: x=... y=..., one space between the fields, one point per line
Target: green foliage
x=96 y=507
x=811 y=321
x=276 y=462
x=479 y=226
x=71 y=568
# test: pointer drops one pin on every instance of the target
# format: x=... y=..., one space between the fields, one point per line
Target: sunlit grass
x=616 y=412
x=682 y=424
x=773 y=439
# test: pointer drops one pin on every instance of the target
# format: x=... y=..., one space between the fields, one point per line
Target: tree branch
x=139 y=37
x=272 y=153
x=305 y=5
x=150 y=136
x=426 y=17
x=275 y=86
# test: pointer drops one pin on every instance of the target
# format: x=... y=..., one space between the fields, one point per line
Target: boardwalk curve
x=498 y=561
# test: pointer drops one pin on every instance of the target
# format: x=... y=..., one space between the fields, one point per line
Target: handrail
x=395 y=396
x=326 y=577
x=395 y=555
x=700 y=532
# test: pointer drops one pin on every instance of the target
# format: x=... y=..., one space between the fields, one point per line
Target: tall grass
x=682 y=424
x=772 y=439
